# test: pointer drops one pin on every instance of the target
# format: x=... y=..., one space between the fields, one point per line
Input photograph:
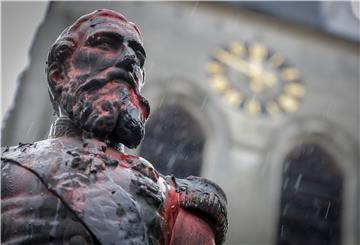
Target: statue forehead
x=107 y=24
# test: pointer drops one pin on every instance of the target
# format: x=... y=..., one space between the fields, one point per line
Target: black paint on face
x=105 y=75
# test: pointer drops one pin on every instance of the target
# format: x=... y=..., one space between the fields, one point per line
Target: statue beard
x=113 y=113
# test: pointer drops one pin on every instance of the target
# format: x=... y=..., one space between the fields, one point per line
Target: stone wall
x=243 y=154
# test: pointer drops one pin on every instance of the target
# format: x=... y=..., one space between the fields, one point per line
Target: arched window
x=311 y=199
x=173 y=142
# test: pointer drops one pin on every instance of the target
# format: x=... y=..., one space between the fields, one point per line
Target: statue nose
x=127 y=63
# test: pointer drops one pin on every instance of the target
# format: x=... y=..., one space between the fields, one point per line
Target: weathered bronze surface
x=78 y=186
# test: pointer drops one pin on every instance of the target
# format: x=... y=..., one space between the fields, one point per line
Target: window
x=311 y=199
x=173 y=142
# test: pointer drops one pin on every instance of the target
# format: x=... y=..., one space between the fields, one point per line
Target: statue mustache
x=119 y=75
x=115 y=74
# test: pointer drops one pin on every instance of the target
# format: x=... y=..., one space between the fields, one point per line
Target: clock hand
x=256 y=85
x=253 y=70
x=236 y=63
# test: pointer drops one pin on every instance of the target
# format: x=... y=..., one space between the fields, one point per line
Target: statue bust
x=78 y=186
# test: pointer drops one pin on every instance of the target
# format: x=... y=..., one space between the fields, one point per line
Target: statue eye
x=139 y=50
x=100 y=42
x=141 y=58
x=104 y=42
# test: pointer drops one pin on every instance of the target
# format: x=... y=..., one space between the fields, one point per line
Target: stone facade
x=243 y=154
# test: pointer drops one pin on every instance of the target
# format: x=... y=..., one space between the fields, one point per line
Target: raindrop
x=149 y=67
x=328 y=109
x=286 y=182
x=204 y=102
x=193 y=10
x=298 y=180
x=161 y=101
x=286 y=208
x=171 y=162
x=286 y=166
x=29 y=129
x=327 y=210
x=159 y=149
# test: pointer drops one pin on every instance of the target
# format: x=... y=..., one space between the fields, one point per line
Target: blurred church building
x=260 y=97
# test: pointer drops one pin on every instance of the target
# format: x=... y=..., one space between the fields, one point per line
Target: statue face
x=104 y=76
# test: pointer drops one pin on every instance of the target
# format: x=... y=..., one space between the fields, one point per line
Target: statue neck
x=64 y=126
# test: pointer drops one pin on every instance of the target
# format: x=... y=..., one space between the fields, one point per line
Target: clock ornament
x=254 y=79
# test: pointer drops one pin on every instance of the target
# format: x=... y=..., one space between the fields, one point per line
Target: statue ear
x=143 y=79
x=56 y=75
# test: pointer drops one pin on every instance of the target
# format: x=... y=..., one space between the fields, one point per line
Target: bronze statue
x=78 y=186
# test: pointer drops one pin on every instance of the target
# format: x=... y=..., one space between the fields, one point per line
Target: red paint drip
x=170 y=212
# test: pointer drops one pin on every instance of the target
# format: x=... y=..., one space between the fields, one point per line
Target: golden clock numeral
x=288 y=103
x=258 y=52
x=276 y=60
x=233 y=97
x=290 y=74
x=237 y=48
x=272 y=108
x=252 y=107
x=256 y=64
x=295 y=89
x=219 y=83
x=224 y=56
x=214 y=67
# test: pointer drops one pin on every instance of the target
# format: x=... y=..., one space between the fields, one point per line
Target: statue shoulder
x=206 y=198
x=16 y=162
x=143 y=166
x=27 y=151
x=16 y=180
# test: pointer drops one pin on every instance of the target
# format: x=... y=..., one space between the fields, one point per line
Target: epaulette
x=207 y=199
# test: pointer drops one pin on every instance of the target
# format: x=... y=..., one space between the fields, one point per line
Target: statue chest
x=119 y=195
x=119 y=198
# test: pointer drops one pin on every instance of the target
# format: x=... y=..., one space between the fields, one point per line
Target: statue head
x=95 y=73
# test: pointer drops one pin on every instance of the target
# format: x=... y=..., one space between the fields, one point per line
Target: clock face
x=254 y=79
